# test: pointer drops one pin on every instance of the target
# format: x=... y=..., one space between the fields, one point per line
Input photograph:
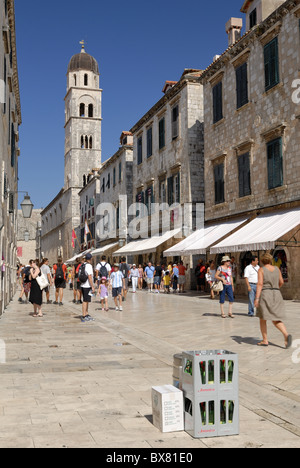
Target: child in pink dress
x=103 y=291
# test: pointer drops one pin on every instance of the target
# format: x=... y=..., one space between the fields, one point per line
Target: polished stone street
x=72 y=384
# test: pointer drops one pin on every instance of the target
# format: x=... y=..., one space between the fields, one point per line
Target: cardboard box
x=167 y=408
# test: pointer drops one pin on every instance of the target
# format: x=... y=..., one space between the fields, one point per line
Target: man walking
x=117 y=280
x=251 y=277
x=149 y=276
x=87 y=287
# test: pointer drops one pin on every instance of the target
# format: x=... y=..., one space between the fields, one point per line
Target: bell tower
x=83 y=119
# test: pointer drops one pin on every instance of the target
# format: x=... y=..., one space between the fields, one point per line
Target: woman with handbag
x=35 y=292
x=224 y=274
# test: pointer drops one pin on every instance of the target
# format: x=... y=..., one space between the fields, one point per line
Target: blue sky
x=138 y=45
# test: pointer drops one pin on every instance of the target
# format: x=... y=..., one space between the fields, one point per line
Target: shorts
x=85 y=295
x=77 y=285
x=103 y=298
x=181 y=279
x=157 y=280
x=149 y=280
x=116 y=292
x=227 y=290
x=60 y=283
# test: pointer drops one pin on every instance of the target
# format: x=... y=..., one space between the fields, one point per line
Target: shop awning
x=105 y=248
x=198 y=242
x=145 y=246
x=262 y=233
x=78 y=255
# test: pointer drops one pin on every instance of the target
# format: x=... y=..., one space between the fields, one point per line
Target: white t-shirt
x=251 y=273
x=45 y=271
x=105 y=264
x=89 y=271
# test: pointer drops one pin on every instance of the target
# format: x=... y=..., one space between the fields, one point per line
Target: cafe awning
x=145 y=246
x=262 y=233
x=198 y=242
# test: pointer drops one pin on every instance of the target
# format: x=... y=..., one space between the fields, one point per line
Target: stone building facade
x=28 y=237
x=168 y=160
x=10 y=111
x=105 y=199
x=83 y=119
x=252 y=128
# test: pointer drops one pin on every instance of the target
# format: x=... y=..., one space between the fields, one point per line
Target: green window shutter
x=219 y=183
x=242 y=85
x=271 y=64
x=161 y=131
x=275 y=163
x=244 y=175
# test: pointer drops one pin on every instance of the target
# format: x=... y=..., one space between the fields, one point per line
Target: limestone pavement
x=70 y=384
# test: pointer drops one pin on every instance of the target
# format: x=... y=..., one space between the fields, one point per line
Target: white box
x=167 y=408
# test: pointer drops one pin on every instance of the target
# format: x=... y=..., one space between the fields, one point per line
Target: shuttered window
x=175 y=122
x=244 y=175
x=161 y=132
x=219 y=184
x=242 y=85
x=149 y=142
x=271 y=64
x=140 y=150
x=275 y=165
x=217 y=102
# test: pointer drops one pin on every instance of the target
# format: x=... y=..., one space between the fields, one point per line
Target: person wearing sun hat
x=224 y=274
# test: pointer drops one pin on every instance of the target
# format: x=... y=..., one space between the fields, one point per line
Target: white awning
x=145 y=246
x=102 y=250
x=261 y=233
x=200 y=240
x=79 y=255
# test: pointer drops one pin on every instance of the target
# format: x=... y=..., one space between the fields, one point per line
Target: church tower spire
x=83 y=118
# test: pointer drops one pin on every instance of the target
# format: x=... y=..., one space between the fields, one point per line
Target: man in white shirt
x=87 y=289
x=251 y=277
x=103 y=269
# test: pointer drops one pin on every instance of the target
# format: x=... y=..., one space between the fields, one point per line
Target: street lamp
x=26 y=206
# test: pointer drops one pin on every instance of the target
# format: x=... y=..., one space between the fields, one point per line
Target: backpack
x=59 y=272
x=103 y=271
x=124 y=269
x=82 y=274
x=26 y=275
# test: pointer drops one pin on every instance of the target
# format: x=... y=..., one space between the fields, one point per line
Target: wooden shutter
x=275 y=165
x=244 y=175
x=219 y=183
x=170 y=190
x=161 y=130
x=271 y=64
x=242 y=85
x=217 y=102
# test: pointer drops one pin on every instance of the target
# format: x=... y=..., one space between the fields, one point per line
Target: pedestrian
x=117 y=280
x=26 y=280
x=175 y=276
x=181 y=279
x=210 y=277
x=167 y=281
x=103 y=292
x=59 y=280
x=149 y=276
x=76 y=282
x=35 y=297
x=269 y=300
x=87 y=287
x=251 y=278
x=141 y=277
x=124 y=268
x=200 y=271
x=134 y=276
x=157 y=277
x=224 y=274
x=103 y=268
x=46 y=272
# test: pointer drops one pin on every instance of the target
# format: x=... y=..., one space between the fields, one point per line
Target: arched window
x=91 y=110
x=82 y=142
x=84 y=180
x=91 y=142
x=82 y=110
x=86 y=142
x=75 y=80
x=86 y=79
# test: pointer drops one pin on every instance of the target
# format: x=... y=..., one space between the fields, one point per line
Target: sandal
x=262 y=344
x=289 y=342
x=231 y=316
x=223 y=316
